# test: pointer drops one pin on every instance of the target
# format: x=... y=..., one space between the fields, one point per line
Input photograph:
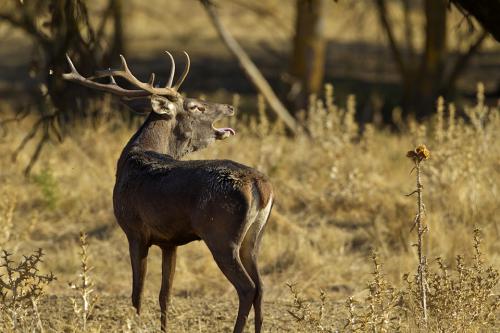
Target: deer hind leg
x=167 y=270
x=249 y=256
x=138 y=258
x=227 y=258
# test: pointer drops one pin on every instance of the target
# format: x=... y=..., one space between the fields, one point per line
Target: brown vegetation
x=340 y=181
x=338 y=195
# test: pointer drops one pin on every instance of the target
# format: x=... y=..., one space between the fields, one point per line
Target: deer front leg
x=138 y=258
x=169 y=255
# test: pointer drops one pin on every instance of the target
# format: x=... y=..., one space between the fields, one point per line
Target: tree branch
x=249 y=68
x=462 y=61
x=26 y=25
x=408 y=26
x=384 y=20
x=485 y=11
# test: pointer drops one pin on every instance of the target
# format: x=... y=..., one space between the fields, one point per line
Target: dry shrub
x=305 y=314
x=381 y=311
x=459 y=300
x=21 y=287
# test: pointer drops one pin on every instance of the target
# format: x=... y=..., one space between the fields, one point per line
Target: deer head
x=188 y=123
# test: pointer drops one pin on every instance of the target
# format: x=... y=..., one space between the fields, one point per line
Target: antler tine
x=172 y=71
x=124 y=64
x=185 y=73
x=112 y=79
x=71 y=66
x=151 y=79
x=76 y=77
x=130 y=77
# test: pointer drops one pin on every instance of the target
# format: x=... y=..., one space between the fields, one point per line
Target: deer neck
x=156 y=134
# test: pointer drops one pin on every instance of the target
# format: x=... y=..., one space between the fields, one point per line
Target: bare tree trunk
x=308 y=54
x=118 y=46
x=423 y=83
x=434 y=56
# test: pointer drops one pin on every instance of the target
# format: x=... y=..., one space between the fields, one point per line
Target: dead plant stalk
x=418 y=155
x=84 y=289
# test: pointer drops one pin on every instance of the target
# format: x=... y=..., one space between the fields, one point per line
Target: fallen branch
x=250 y=69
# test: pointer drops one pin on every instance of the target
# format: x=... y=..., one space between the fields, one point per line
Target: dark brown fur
x=159 y=199
x=164 y=201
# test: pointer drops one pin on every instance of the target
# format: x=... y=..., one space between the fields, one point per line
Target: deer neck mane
x=158 y=135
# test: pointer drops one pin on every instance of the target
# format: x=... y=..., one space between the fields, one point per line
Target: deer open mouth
x=223 y=132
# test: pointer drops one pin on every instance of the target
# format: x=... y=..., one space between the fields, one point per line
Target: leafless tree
x=54 y=27
x=427 y=75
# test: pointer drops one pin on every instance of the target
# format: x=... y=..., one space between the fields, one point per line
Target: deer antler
x=112 y=87
x=146 y=88
x=185 y=73
x=172 y=70
x=126 y=74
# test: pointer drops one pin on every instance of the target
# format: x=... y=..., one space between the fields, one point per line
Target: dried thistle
x=460 y=300
x=382 y=309
x=420 y=153
x=21 y=286
x=302 y=312
x=84 y=306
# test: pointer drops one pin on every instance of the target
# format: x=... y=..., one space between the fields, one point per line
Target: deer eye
x=192 y=106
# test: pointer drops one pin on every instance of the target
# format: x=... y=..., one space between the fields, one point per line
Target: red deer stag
x=162 y=200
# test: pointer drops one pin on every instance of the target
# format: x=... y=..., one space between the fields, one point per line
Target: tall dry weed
x=85 y=300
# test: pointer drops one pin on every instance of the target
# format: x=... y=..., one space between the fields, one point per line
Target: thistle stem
x=422 y=260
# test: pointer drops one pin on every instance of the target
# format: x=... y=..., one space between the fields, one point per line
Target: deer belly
x=169 y=225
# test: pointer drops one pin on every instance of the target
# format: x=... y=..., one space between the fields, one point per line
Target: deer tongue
x=226 y=130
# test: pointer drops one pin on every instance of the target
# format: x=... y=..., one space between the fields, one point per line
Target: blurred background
x=331 y=96
x=389 y=53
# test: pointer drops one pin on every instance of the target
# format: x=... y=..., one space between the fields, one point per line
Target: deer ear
x=163 y=106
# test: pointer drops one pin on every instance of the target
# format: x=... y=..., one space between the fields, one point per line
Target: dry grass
x=339 y=195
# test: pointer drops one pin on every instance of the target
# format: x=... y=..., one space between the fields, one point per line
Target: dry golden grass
x=339 y=195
